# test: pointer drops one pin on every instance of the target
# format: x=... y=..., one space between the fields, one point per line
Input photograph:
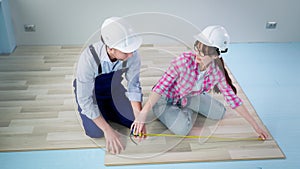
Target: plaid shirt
x=178 y=81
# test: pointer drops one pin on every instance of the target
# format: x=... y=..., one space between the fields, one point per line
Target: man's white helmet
x=215 y=36
x=118 y=34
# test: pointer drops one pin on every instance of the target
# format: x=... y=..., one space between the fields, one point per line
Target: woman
x=183 y=87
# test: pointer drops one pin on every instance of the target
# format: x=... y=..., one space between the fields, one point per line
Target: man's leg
x=123 y=110
x=91 y=129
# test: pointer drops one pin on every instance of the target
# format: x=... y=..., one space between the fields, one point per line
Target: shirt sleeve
x=230 y=97
x=167 y=80
x=132 y=76
x=85 y=80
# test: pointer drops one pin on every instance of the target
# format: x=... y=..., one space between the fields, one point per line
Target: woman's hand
x=262 y=134
x=138 y=127
x=242 y=110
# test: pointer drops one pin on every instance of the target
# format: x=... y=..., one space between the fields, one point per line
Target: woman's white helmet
x=215 y=36
x=118 y=34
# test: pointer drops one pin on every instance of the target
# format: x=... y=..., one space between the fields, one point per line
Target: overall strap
x=96 y=58
x=124 y=64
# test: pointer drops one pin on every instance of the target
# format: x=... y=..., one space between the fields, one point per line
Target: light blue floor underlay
x=269 y=74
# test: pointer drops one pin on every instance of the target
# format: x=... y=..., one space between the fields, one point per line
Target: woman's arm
x=161 y=88
x=242 y=110
x=236 y=103
x=138 y=126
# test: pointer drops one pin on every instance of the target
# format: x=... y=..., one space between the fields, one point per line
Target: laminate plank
x=54 y=96
x=18 y=62
x=70 y=59
x=47 y=80
x=257 y=153
x=66 y=135
x=19 y=58
x=172 y=157
x=42 y=122
x=234 y=129
x=30 y=103
x=28 y=115
x=21 y=142
x=6 y=85
x=8 y=110
x=4 y=123
x=50 y=108
x=16 y=130
x=38 y=73
x=53 y=86
x=60 y=91
x=57 y=129
x=17 y=67
x=16 y=96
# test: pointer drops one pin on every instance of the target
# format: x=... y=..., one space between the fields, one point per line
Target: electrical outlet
x=29 y=28
x=271 y=25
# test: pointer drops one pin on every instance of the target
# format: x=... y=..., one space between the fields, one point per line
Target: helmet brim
x=136 y=42
x=201 y=38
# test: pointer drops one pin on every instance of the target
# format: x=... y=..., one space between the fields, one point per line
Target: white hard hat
x=215 y=36
x=118 y=34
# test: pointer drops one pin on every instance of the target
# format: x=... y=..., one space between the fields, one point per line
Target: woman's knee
x=181 y=124
x=182 y=129
x=217 y=112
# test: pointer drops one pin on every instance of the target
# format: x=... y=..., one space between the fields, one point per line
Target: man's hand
x=113 y=141
x=113 y=138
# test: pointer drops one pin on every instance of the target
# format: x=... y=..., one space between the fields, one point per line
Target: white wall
x=7 y=38
x=73 y=22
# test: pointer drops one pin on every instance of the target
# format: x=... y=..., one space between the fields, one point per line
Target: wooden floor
x=38 y=112
x=36 y=103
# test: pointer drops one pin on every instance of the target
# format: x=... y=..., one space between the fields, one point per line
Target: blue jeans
x=181 y=120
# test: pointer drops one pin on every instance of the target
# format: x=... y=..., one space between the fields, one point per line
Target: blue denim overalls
x=110 y=95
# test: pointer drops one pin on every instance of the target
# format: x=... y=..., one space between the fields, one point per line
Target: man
x=99 y=93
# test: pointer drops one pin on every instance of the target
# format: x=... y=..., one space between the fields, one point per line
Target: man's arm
x=137 y=107
x=85 y=79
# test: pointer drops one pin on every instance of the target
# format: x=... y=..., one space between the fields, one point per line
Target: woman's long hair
x=219 y=61
x=210 y=51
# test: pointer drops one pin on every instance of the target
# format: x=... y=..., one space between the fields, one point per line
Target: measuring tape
x=188 y=136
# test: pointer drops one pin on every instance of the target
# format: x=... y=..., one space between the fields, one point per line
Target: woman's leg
x=207 y=106
x=177 y=120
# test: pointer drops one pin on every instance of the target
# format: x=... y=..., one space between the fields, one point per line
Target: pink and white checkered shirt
x=178 y=81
